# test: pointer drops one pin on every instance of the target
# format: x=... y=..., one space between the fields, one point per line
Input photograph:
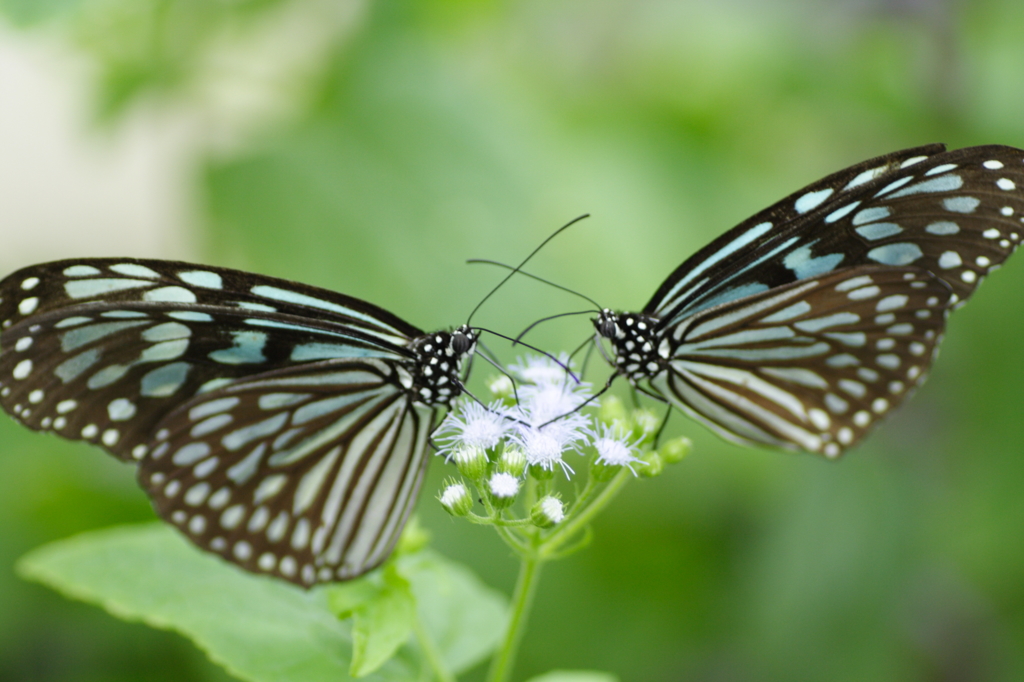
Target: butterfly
x=281 y=426
x=807 y=323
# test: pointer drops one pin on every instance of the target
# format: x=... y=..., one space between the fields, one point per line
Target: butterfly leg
x=661 y=427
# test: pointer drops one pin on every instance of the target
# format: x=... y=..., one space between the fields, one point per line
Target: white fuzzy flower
x=501 y=386
x=552 y=509
x=471 y=425
x=545 y=446
x=540 y=404
x=541 y=370
x=456 y=499
x=504 y=486
x=613 y=449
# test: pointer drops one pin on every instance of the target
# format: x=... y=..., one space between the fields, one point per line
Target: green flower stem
x=522 y=600
x=501 y=527
x=430 y=652
x=534 y=555
x=531 y=492
x=489 y=521
x=580 y=520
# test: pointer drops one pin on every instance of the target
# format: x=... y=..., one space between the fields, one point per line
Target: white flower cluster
x=512 y=448
x=545 y=423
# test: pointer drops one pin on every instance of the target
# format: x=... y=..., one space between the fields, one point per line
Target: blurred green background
x=372 y=147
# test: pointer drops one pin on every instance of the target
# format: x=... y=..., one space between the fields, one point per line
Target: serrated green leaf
x=575 y=676
x=381 y=625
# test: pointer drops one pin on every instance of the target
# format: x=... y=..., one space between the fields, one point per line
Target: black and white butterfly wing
x=117 y=352
x=955 y=213
x=308 y=474
x=810 y=365
x=101 y=349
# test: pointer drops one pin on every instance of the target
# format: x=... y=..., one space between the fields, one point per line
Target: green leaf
x=259 y=629
x=344 y=598
x=464 y=618
x=381 y=625
x=575 y=676
x=266 y=630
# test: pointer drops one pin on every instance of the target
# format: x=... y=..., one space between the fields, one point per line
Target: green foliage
x=381 y=623
x=265 y=630
x=575 y=676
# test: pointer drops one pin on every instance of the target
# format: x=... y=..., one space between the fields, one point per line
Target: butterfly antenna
x=549 y=356
x=586 y=357
x=557 y=232
x=607 y=385
x=548 y=319
x=487 y=261
x=664 y=423
x=497 y=366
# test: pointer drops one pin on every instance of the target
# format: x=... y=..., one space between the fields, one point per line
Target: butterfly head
x=439 y=358
x=607 y=324
x=634 y=338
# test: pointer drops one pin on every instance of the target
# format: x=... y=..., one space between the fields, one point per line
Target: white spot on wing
x=80 y=271
x=960 y=204
x=134 y=270
x=841 y=213
x=202 y=278
x=121 y=409
x=950 y=259
x=900 y=253
x=88 y=288
x=812 y=200
x=893 y=302
x=945 y=183
x=942 y=227
x=866 y=176
x=939 y=170
x=170 y=295
x=22 y=369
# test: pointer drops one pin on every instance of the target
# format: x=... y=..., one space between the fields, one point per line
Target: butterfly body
x=868 y=262
x=279 y=425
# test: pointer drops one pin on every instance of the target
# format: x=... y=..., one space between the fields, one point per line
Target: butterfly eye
x=460 y=342
x=605 y=325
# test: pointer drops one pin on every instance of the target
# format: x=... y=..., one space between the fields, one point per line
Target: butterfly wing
x=281 y=426
x=811 y=365
x=307 y=474
x=957 y=214
x=100 y=350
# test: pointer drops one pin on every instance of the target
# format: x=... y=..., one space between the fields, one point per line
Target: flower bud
x=501 y=387
x=471 y=462
x=674 y=450
x=612 y=410
x=651 y=464
x=512 y=461
x=547 y=512
x=502 y=489
x=645 y=424
x=456 y=499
